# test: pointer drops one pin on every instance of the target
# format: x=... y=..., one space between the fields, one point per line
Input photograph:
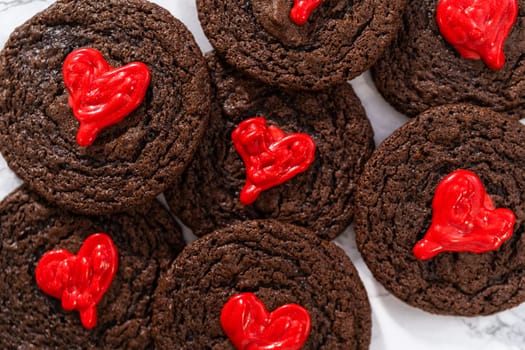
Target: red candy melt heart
x=81 y=280
x=99 y=94
x=302 y=9
x=271 y=157
x=250 y=326
x=464 y=219
x=478 y=28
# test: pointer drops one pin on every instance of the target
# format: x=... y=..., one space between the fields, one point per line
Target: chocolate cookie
x=207 y=195
x=398 y=199
x=146 y=241
x=280 y=264
x=421 y=69
x=339 y=41
x=130 y=162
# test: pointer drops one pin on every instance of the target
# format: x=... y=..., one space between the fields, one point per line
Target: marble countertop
x=395 y=325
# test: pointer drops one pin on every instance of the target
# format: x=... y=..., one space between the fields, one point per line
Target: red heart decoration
x=464 y=219
x=302 y=9
x=81 y=280
x=478 y=28
x=270 y=156
x=99 y=94
x=250 y=326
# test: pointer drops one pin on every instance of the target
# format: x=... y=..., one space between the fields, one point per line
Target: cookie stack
x=102 y=106
x=263 y=247
x=440 y=204
x=264 y=151
x=275 y=83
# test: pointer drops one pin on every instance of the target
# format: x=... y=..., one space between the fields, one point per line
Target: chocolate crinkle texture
x=147 y=240
x=340 y=40
x=206 y=196
x=131 y=162
x=421 y=69
x=394 y=210
x=280 y=264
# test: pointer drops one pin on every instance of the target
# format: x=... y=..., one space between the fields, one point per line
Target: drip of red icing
x=270 y=156
x=478 y=28
x=80 y=280
x=302 y=9
x=99 y=94
x=249 y=326
x=464 y=219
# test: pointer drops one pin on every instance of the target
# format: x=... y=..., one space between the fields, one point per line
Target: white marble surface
x=396 y=326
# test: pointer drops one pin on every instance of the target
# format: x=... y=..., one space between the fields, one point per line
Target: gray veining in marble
x=6 y=5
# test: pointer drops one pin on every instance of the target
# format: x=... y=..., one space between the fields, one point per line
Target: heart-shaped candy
x=99 y=94
x=249 y=326
x=270 y=156
x=464 y=219
x=478 y=28
x=80 y=280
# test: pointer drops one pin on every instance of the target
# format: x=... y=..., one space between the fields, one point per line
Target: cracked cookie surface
x=341 y=39
x=131 y=162
x=147 y=240
x=420 y=69
x=206 y=196
x=278 y=262
x=393 y=210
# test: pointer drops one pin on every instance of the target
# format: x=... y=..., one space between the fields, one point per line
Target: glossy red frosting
x=79 y=281
x=478 y=29
x=302 y=9
x=464 y=219
x=99 y=94
x=270 y=156
x=250 y=326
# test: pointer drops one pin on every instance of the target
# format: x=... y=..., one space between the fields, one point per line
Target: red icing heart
x=250 y=326
x=302 y=9
x=464 y=219
x=99 y=94
x=81 y=280
x=478 y=28
x=271 y=157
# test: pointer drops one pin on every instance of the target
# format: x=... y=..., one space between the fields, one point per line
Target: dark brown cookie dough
x=281 y=264
x=393 y=210
x=341 y=39
x=206 y=196
x=131 y=162
x=147 y=240
x=421 y=70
